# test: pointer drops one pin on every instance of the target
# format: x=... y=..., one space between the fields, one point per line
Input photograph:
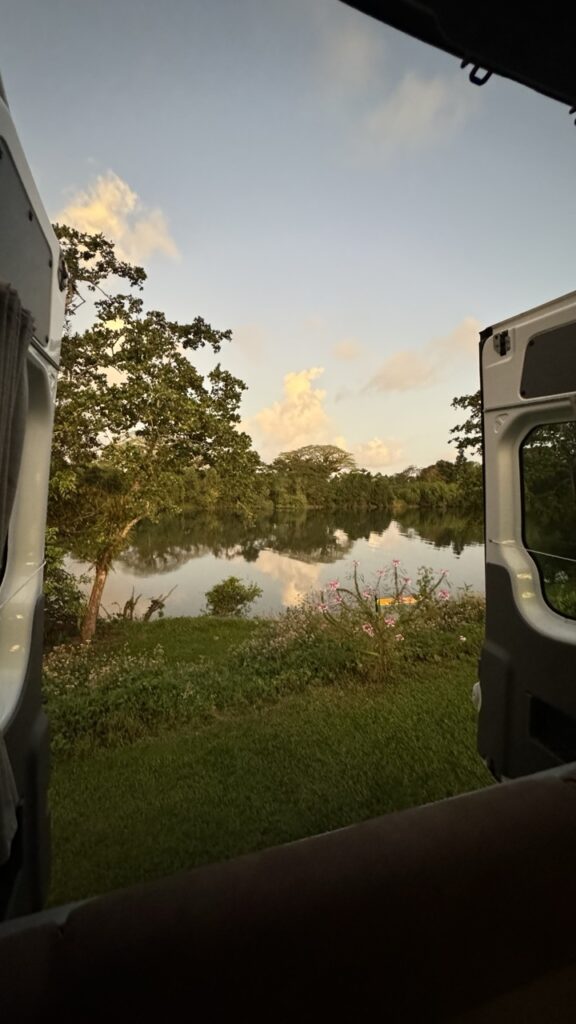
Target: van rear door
x=32 y=297
x=528 y=665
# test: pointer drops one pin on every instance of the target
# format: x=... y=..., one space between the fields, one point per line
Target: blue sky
x=336 y=193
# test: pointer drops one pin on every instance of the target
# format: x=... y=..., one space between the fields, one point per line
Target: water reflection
x=287 y=554
x=443 y=531
x=165 y=546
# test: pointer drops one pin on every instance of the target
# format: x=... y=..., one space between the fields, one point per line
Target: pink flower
x=389 y=620
x=407 y=580
x=398 y=636
x=322 y=607
x=380 y=572
x=337 y=599
x=396 y=561
x=334 y=584
x=444 y=595
x=368 y=629
x=366 y=593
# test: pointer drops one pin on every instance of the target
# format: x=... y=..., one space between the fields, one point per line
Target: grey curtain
x=15 y=337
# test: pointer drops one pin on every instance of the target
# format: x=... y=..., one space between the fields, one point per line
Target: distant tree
x=132 y=412
x=326 y=458
x=440 y=470
x=307 y=471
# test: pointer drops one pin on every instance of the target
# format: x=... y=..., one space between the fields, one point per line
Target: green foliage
x=468 y=435
x=113 y=693
x=346 y=634
x=296 y=650
x=231 y=597
x=96 y=699
x=63 y=599
x=132 y=411
x=302 y=477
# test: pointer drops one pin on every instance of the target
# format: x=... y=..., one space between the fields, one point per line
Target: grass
x=255 y=777
x=183 y=639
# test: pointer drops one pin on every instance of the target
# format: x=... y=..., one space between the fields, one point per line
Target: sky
x=336 y=193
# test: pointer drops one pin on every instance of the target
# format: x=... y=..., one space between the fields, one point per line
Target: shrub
x=96 y=698
x=231 y=597
x=418 y=621
x=63 y=599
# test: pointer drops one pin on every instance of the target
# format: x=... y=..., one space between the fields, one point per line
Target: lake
x=288 y=554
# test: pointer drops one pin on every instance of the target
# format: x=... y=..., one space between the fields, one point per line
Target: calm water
x=287 y=555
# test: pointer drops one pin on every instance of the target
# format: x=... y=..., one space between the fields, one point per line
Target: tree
x=132 y=413
x=468 y=435
x=307 y=471
x=326 y=458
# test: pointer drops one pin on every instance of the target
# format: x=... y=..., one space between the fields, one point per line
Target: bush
x=231 y=597
x=346 y=633
x=96 y=698
x=63 y=600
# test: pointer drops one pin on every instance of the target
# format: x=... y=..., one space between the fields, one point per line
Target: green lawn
x=182 y=639
x=311 y=762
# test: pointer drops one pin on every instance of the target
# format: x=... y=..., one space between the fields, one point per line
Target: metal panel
x=25 y=255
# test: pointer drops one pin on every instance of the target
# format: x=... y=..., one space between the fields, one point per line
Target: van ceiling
x=533 y=45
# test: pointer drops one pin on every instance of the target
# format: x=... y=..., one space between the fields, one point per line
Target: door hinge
x=502 y=343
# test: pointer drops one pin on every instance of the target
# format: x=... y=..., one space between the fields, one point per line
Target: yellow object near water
x=408 y=599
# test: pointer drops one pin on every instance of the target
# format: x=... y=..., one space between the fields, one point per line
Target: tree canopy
x=132 y=411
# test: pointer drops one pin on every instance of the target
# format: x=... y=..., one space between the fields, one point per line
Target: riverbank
x=263 y=764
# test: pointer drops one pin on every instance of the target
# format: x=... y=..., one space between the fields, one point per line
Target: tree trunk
x=88 y=626
x=90 y=620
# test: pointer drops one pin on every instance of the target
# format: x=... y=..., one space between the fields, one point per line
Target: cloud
x=419 y=111
x=421 y=368
x=299 y=418
x=404 y=371
x=352 y=54
x=377 y=453
x=348 y=348
x=110 y=206
x=387 y=113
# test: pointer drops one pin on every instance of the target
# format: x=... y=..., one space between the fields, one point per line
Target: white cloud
x=404 y=371
x=419 y=111
x=463 y=340
x=299 y=418
x=377 y=453
x=110 y=206
x=347 y=349
x=420 y=368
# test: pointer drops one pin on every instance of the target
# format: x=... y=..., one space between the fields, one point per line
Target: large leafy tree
x=307 y=471
x=133 y=411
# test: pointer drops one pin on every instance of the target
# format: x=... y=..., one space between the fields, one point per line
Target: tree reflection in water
x=287 y=553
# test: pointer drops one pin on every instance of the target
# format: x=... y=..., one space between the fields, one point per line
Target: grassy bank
x=258 y=771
